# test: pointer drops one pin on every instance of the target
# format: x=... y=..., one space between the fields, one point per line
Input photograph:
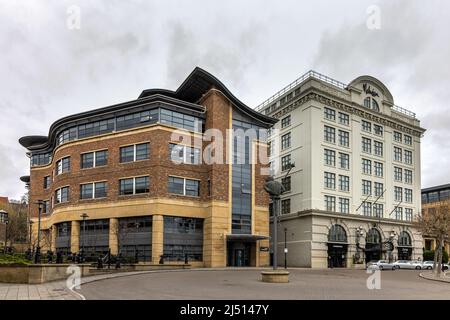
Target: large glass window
x=366 y=145
x=378 y=188
x=378 y=148
x=408 y=195
x=378 y=130
x=344 y=161
x=285 y=206
x=180 y=120
x=183 y=154
x=286 y=162
x=344 y=138
x=94 y=159
x=286 y=182
x=93 y=190
x=286 y=122
x=367 y=187
x=398 y=174
x=330 y=134
x=183 y=186
x=62 y=195
x=398 y=194
x=95 y=128
x=408 y=157
x=399 y=213
x=329 y=114
x=286 y=141
x=330 y=157
x=378 y=210
x=367 y=209
x=41 y=159
x=366 y=166
x=408 y=214
x=378 y=166
x=366 y=126
x=183 y=237
x=408 y=140
x=137 y=119
x=397 y=154
x=135 y=152
x=47 y=182
x=135 y=185
x=330 y=203
x=63 y=165
x=397 y=136
x=135 y=237
x=344 y=205
x=330 y=180
x=344 y=119
x=337 y=234
x=408 y=176
x=344 y=183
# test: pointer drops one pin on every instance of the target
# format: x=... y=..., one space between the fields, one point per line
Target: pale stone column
x=157 y=237
x=75 y=237
x=113 y=235
x=53 y=247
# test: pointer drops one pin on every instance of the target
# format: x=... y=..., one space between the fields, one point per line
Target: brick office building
x=143 y=184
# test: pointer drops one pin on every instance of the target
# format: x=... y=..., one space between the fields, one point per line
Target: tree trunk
x=439 y=269
x=436 y=254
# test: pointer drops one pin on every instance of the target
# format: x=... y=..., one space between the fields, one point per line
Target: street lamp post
x=31 y=229
x=37 y=256
x=275 y=189
x=285 y=248
x=84 y=216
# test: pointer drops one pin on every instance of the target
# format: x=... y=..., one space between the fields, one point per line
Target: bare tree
x=436 y=224
x=17 y=221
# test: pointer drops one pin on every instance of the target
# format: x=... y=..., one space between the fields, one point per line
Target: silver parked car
x=406 y=264
x=381 y=265
x=429 y=265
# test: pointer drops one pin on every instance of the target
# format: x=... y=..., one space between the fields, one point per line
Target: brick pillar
x=75 y=237
x=113 y=235
x=53 y=246
x=157 y=238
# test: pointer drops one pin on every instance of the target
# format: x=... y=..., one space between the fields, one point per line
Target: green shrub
x=17 y=259
x=428 y=255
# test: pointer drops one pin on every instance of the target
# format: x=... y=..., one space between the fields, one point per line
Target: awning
x=245 y=237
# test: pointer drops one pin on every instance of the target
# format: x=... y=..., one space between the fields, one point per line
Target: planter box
x=37 y=273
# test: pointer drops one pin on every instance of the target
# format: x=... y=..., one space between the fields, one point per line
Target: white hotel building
x=355 y=188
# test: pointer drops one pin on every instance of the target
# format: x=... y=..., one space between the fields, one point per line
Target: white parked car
x=406 y=264
x=381 y=265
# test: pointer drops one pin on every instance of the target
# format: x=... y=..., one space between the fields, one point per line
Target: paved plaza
x=235 y=284
x=246 y=284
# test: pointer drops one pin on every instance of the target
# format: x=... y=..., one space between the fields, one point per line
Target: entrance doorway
x=337 y=247
x=239 y=254
x=337 y=255
x=404 y=253
x=373 y=245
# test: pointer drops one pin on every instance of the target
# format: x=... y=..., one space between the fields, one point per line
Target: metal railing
x=404 y=111
x=326 y=79
x=307 y=75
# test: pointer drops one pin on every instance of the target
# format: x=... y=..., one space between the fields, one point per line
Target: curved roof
x=198 y=83
x=30 y=141
x=187 y=95
x=376 y=82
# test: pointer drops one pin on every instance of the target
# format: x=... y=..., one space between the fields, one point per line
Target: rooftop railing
x=326 y=79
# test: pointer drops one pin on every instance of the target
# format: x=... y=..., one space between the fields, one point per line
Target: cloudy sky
x=49 y=70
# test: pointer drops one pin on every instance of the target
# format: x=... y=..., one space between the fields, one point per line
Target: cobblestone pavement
x=246 y=284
